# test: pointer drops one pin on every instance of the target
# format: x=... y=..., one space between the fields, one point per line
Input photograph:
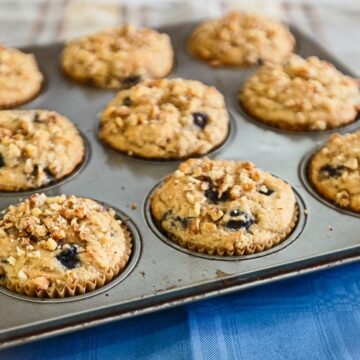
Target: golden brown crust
x=61 y=246
x=224 y=207
x=301 y=95
x=118 y=57
x=20 y=78
x=240 y=39
x=37 y=147
x=165 y=119
x=334 y=171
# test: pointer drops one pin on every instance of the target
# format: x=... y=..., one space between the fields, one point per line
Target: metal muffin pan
x=159 y=275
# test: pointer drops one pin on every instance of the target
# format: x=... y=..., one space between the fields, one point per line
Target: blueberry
x=183 y=221
x=236 y=212
x=127 y=101
x=2 y=162
x=266 y=192
x=167 y=215
x=200 y=119
x=37 y=118
x=131 y=80
x=49 y=174
x=239 y=224
x=69 y=257
x=2 y=273
x=213 y=195
x=35 y=171
x=33 y=238
x=332 y=171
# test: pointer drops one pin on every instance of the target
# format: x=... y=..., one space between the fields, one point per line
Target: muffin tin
x=160 y=274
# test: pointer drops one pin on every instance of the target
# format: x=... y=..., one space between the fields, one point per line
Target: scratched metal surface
x=161 y=275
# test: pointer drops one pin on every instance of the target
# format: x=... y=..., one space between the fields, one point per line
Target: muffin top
x=301 y=94
x=20 y=77
x=37 y=147
x=165 y=119
x=224 y=207
x=51 y=246
x=240 y=39
x=118 y=57
x=335 y=170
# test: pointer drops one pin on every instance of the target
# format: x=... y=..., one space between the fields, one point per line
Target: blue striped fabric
x=312 y=317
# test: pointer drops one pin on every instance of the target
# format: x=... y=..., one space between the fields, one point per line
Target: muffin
x=240 y=39
x=301 y=95
x=165 y=119
x=20 y=78
x=37 y=147
x=118 y=57
x=334 y=171
x=60 y=246
x=224 y=207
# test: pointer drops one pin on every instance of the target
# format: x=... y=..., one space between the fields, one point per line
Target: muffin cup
x=231 y=250
x=78 y=287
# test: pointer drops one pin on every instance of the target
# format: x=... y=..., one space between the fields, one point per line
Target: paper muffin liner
x=246 y=249
x=78 y=287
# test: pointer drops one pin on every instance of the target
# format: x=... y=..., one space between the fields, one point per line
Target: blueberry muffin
x=37 y=147
x=165 y=119
x=60 y=246
x=240 y=39
x=301 y=95
x=224 y=207
x=20 y=78
x=118 y=57
x=334 y=171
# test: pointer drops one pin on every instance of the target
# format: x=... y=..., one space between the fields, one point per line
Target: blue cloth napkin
x=316 y=316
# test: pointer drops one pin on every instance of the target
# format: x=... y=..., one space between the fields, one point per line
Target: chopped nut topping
x=308 y=94
x=21 y=275
x=50 y=244
x=215 y=213
x=33 y=152
x=241 y=39
x=11 y=260
x=45 y=252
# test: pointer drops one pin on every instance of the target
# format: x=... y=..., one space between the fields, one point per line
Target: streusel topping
x=301 y=94
x=49 y=243
x=118 y=57
x=224 y=207
x=37 y=147
x=167 y=118
x=20 y=77
x=241 y=39
x=335 y=170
